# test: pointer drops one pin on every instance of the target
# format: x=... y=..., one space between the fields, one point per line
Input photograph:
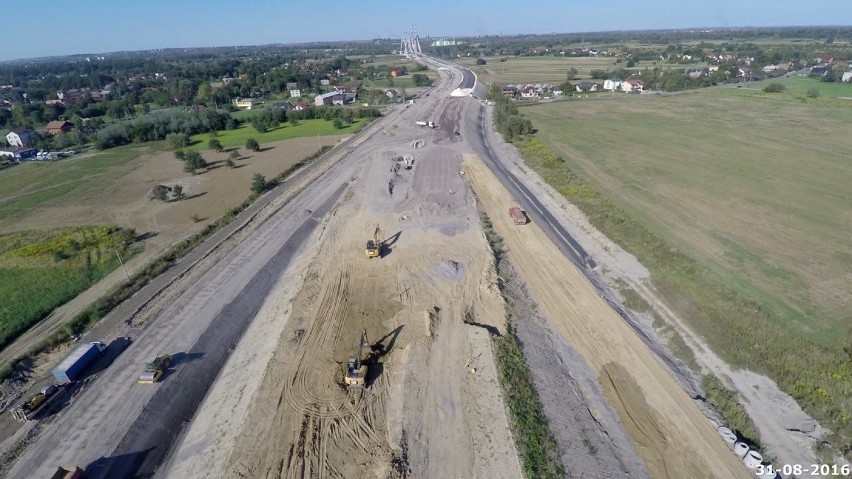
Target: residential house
x=586 y=86
x=20 y=137
x=295 y=93
x=58 y=126
x=611 y=84
x=509 y=91
x=826 y=58
x=327 y=98
x=284 y=105
x=529 y=92
x=18 y=153
x=632 y=84
x=246 y=103
x=301 y=106
x=342 y=71
x=398 y=72
x=392 y=94
x=325 y=81
x=694 y=72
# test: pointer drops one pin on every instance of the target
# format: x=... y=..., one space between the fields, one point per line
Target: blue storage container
x=75 y=363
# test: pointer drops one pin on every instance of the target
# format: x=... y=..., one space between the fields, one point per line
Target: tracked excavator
x=356 y=370
x=374 y=246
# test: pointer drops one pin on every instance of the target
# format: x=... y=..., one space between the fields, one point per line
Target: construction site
x=345 y=328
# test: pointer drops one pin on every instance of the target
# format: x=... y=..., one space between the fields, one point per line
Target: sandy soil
x=432 y=407
x=669 y=432
x=422 y=407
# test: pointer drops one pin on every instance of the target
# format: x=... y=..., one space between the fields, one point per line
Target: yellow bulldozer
x=356 y=370
x=374 y=246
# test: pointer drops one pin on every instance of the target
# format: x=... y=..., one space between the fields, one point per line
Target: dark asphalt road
x=469 y=79
x=526 y=199
x=150 y=437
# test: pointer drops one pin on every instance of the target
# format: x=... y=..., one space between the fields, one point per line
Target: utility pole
x=122 y=265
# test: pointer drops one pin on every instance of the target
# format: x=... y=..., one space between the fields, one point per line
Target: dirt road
x=673 y=438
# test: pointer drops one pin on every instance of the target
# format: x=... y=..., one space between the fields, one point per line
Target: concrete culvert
x=740 y=449
x=728 y=436
x=752 y=459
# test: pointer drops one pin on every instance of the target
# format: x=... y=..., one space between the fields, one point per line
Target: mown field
x=32 y=184
x=305 y=128
x=40 y=270
x=739 y=203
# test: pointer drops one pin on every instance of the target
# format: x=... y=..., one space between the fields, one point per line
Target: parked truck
x=429 y=124
x=518 y=215
x=67 y=473
x=74 y=364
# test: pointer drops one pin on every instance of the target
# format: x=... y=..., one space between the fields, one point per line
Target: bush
x=813 y=93
x=252 y=145
x=193 y=162
x=258 y=183
x=480 y=61
x=178 y=140
x=214 y=144
x=774 y=87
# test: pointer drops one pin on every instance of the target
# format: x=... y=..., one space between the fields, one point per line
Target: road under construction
x=262 y=332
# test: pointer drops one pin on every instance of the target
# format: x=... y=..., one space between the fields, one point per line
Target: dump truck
x=518 y=215
x=429 y=124
x=356 y=370
x=67 y=473
x=154 y=370
x=29 y=408
x=73 y=366
x=374 y=246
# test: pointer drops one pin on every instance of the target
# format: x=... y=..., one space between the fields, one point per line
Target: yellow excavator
x=356 y=370
x=374 y=246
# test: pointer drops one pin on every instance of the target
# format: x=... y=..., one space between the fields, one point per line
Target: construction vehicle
x=430 y=124
x=374 y=246
x=154 y=370
x=518 y=215
x=67 y=473
x=356 y=370
x=34 y=404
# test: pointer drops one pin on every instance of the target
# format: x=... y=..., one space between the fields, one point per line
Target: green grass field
x=40 y=270
x=286 y=131
x=739 y=203
x=799 y=86
x=32 y=184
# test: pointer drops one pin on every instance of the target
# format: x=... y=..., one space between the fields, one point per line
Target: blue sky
x=36 y=28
